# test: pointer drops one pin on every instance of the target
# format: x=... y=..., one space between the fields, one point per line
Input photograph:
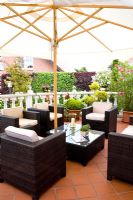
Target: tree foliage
x=20 y=79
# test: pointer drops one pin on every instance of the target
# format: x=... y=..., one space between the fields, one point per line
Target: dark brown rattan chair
x=45 y=123
x=33 y=167
x=120 y=156
x=108 y=125
x=6 y=120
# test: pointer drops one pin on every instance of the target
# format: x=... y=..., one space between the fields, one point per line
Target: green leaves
x=20 y=79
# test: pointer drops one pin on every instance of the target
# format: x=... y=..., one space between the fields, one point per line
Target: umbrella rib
x=28 y=4
x=24 y=29
x=99 y=18
x=88 y=17
x=73 y=5
x=100 y=6
x=11 y=24
x=24 y=13
x=36 y=28
x=87 y=30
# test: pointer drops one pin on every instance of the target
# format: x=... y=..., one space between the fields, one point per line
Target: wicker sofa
x=47 y=116
x=33 y=166
x=101 y=116
x=120 y=154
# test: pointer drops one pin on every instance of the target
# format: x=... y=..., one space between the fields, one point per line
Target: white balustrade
x=13 y=100
x=29 y=97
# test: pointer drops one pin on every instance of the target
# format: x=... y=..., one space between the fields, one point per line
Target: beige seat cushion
x=52 y=116
x=101 y=107
x=128 y=130
x=20 y=133
x=95 y=116
x=13 y=112
x=43 y=106
x=23 y=122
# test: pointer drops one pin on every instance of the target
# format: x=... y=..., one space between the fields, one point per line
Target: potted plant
x=101 y=95
x=84 y=130
x=89 y=100
x=73 y=105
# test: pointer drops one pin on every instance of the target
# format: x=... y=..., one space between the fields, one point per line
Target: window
x=28 y=62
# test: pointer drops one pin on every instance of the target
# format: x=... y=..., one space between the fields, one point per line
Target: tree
x=20 y=79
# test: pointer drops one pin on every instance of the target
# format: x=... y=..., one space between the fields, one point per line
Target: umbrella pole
x=55 y=66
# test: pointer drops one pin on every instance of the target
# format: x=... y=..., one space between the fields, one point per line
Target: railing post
x=13 y=99
x=36 y=99
x=5 y=102
x=29 y=102
x=21 y=101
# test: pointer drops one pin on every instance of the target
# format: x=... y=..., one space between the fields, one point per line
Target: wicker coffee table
x=83 y=151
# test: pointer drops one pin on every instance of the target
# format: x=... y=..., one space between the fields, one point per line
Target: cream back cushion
x=13 y=112
x=101 y=107
x=128 y=130
x=43 y=106
x=23 y=134
x=52 y=116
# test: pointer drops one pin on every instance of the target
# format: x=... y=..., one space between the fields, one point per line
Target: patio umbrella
x=32 y=28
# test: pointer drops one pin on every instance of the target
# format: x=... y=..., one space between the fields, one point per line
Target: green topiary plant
x=89 y=100
x=74 y=104
x=94 y=86
x=101 y=95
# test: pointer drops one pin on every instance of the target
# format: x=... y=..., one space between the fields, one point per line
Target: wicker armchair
x=102 y=120
x=120 y=154
x=47 y=116
x=33 y=166
x=19 y=118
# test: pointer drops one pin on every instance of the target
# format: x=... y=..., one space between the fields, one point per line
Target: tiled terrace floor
x=81 y=183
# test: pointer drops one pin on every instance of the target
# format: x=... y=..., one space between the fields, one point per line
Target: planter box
x=126 y=115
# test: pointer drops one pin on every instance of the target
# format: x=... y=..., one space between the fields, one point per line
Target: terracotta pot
x=77 y=112
x=126 y=115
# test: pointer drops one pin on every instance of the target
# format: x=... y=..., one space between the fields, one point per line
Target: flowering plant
x=122 y=82
x=103 y=78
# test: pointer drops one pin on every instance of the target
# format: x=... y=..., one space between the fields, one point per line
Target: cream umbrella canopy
x=30 y=28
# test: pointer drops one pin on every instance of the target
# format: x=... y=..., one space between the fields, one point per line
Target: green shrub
x=74 y=104
x=94 y=86
x=65 y=81
x=101 y=95
x=89 y=100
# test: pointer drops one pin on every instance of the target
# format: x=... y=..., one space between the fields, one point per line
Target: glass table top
x=78 y=139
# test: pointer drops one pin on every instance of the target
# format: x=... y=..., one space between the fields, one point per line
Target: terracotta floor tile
x=102 y=166
x=66 y=193
x=91 y=168
x=79 y=179
x=66 y=181
x=104 y=173
x=85 y=191
x=48 y=195
x=126 y=196
x=93 y=198
x=96 y=177
x=20 y=195
x=6 y=197
x=7 y=189
x=109 y=197
x=103 y=188
x=121 y=186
